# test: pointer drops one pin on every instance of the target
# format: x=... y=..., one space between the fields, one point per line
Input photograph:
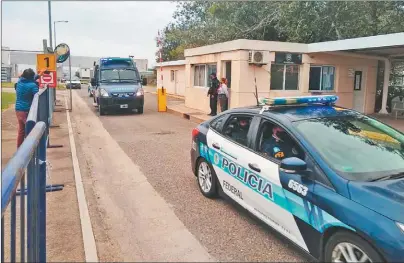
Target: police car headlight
x=104 y=93
x=401 y=226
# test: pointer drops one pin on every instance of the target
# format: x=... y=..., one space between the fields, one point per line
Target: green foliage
x=7 y=85
x=7 y=98
x=198 y=23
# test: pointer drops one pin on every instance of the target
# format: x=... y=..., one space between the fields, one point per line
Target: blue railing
x=29 y=162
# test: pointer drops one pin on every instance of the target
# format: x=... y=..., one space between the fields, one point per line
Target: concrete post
x=386 y=80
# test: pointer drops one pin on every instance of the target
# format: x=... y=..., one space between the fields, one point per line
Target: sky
x=105 y=28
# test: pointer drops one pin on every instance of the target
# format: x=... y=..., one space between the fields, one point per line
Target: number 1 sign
x=46 y=62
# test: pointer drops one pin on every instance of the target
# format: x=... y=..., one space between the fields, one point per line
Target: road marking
x=90 y=248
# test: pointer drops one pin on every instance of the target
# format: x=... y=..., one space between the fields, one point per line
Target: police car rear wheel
x=346 y=247
x=207 y=179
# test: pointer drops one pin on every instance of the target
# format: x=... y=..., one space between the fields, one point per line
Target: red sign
x=48 y=79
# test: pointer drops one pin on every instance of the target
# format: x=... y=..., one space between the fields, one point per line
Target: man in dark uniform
x=212 y=93
x=280 y=145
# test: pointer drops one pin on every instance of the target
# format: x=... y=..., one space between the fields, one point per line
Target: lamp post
x=54 y=28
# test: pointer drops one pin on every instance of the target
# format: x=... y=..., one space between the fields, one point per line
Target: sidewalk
x=64 y=236
x=176 y=106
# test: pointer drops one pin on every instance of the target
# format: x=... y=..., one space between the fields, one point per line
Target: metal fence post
x=42 y=197
x=49 y=116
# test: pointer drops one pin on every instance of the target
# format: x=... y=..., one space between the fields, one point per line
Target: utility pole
x=50 y=24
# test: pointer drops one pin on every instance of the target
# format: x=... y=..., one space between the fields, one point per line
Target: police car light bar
x=279 y=101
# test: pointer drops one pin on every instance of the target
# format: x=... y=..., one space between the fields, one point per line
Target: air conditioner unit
x=258 y=57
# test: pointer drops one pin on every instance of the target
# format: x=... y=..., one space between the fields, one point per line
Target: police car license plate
x=124 y=106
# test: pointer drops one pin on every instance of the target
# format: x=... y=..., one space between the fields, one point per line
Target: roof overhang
x=389 y=46
x=385 y=46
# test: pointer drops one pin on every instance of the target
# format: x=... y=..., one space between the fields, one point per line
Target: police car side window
x=217 y=123
x=236 y=128
x=274 y=142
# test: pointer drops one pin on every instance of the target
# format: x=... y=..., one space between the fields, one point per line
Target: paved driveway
x=159 y=143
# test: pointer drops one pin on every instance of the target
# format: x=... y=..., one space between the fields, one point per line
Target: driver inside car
x=279 y=145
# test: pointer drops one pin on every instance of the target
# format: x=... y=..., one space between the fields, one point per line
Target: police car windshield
x=356 y=147
x=119 y=75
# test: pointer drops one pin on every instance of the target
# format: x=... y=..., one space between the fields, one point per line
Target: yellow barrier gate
x=161 y=100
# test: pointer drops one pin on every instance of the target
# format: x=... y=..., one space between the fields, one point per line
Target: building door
x=175 y=81
x=358 y=92
x=228 y=73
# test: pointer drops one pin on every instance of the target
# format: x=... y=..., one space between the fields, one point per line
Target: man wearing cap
x=212 y=93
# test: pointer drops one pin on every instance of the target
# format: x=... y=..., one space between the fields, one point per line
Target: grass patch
x=7 y=99
x=61 y=86
x=7 y=85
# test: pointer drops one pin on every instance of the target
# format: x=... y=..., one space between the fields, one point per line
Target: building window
x=201 y=74
x=172 y=75
x=322 y=78
x=284 y=77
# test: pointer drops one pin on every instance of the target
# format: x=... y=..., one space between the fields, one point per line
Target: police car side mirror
x=293 y=165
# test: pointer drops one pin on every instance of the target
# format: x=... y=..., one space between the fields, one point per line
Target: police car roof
x=299 y=112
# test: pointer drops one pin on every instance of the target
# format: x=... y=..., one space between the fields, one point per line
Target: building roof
x=171 y=63
x=247 y=44
x=29 y=58
x=389 y=45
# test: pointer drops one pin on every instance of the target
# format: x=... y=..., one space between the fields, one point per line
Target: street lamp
x=54 y=27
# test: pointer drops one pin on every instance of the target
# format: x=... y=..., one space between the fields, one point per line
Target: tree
x=198 y=23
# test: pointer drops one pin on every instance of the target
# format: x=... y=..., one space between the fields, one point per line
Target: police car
x=328 y=178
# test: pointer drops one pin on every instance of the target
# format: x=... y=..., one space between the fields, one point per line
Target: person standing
x=25 y=90
x=212 y=94
x=223 y=95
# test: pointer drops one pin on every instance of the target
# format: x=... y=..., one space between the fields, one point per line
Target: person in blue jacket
x=25 y=90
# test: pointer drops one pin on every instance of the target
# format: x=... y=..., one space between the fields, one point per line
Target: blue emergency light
x=321 y=99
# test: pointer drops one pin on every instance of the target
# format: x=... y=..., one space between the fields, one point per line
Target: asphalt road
x=159 y=143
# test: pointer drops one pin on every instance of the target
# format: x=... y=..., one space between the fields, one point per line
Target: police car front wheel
x=346 y=247
x=207 y=179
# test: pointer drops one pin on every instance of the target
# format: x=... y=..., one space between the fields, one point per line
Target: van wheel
x=347 y=247
x=101 y=110
x=207 y=179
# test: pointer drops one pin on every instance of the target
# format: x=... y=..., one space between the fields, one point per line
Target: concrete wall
x=244 y=76
x=173 y=86
x=141 y=64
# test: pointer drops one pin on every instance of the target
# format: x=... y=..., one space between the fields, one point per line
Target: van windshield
x=119 y=75
x=356 y=147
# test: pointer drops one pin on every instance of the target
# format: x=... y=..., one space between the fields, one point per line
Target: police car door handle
x=254 y=167
x=216 y=145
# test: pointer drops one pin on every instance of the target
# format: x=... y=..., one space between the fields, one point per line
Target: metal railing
x=28 y=163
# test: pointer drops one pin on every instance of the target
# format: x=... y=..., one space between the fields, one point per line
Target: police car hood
x=384 y=197
x=120 y=87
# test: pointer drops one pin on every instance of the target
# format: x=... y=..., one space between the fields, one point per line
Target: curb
x=187 y=116
x=90 y=247
x=170 y=95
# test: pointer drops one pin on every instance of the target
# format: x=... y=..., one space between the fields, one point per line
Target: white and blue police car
x=328 y=178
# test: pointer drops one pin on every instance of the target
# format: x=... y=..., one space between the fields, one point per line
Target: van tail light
x=195 y=132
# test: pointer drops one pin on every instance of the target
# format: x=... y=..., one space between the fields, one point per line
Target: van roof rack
x=268 y=103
